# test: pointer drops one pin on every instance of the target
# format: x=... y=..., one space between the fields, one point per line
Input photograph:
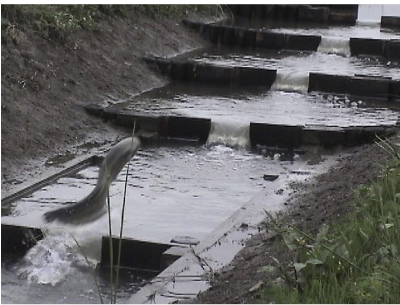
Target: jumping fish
x=93 y=206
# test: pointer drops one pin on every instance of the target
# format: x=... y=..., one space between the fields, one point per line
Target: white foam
x=336 y=45
x=230 y=134
x=291 y=81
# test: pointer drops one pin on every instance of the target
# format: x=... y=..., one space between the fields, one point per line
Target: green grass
x=355 y=260
x=56 y=22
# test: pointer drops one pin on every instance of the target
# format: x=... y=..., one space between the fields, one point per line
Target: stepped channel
x=222 y=143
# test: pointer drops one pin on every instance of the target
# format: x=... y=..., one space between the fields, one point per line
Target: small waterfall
x=336 y=45
x=231 y=134
x=291 y=82
x=57 y=255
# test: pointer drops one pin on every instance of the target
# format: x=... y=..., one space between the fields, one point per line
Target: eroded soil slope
x=44 y=84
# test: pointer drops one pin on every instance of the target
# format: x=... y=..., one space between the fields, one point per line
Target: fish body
x=93 y=206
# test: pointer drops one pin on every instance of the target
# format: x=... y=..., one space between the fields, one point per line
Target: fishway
x=221 y=144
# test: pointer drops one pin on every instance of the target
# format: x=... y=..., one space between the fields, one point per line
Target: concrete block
x=313 y=14
x=286 y=12
x=392 y=50
x=392 y=22
x=257 y=11
x=212 y=74
x=214 y=33
x=142 y=123
x=366 y=134
x=134 y=253
x=245 y=37
x=302 y=42
x=342 y=19
x=188 y=128
x=164 y=65
x=269 y=11
x=244 y=11
x=247 y=76
x=268 y=40
x=369 y=86
x=110 y=113
x=328 y=83
x=354 y=136
x=394 y=90
x=275 y=135
x=179 y=71
x=94 y=109
x=17 y=240
x=192 y=24
x=323 y=136
x=343 y=14
x=367 y=46
x=227 y=35
x=171 y=255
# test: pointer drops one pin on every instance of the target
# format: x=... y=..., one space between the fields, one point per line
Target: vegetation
x=354 y=261
x=58 y=21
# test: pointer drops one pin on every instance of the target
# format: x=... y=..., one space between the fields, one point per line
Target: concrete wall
x=322 y=14
x=263 y=39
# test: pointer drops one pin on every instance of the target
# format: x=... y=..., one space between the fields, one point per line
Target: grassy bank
x=57 y=21
x=355 y=260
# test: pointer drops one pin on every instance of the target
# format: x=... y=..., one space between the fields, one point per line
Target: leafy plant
x=353 y=261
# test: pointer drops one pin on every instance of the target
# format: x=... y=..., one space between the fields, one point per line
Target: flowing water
x=189 y=190
x=241 y=106
x=172 y=191
x=302 y=63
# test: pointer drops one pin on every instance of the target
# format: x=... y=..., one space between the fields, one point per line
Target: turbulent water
x=334 y=45
x=230 y=134
x=291 y=82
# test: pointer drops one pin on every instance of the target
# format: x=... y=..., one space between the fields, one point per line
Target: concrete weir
x=263 y=39
x=208 y=73
x=270 y=135
x=320 y=14
x=382 y=88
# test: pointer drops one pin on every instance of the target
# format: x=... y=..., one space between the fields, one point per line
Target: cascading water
x=291 y=81
x=231 y=134
x=51 y=259
x=335 y=45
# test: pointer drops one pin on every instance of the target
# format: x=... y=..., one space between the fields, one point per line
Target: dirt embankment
x=44 y=85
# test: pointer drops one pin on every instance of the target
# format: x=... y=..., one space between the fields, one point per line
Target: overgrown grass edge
x=355 y=260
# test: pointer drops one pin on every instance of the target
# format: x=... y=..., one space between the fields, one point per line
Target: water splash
x=291 y=82
x=231 y=134
x=336 y=45
x=51 y=259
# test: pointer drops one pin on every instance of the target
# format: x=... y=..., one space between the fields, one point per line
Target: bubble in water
x=49 y=261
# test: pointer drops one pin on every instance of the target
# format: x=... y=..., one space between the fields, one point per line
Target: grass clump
x=354 y=261
x=58 y=21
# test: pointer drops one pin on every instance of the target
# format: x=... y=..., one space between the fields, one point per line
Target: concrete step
x=263 y=39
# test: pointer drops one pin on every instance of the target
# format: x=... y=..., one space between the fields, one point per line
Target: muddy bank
x=45 y=84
